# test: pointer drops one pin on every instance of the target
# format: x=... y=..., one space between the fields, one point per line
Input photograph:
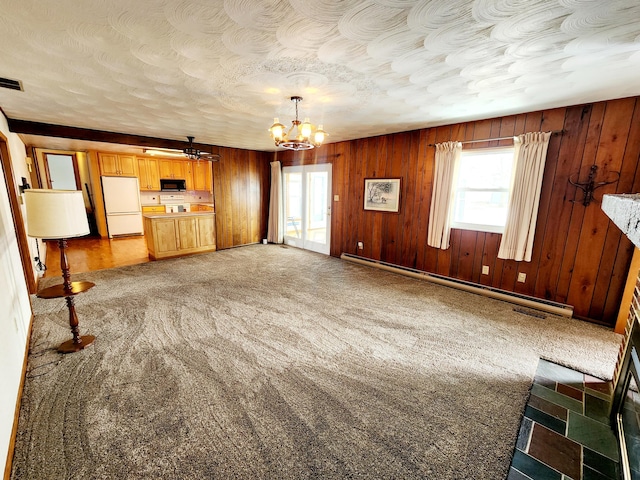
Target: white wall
x=15 y=306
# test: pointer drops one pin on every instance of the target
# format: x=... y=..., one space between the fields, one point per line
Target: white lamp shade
x=55 y=213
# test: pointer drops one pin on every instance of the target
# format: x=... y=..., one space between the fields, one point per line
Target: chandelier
x=301 y=135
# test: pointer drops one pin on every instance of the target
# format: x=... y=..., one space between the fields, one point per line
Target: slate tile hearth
x=565 y=432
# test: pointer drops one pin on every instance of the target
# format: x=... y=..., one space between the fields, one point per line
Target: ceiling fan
x=190 y=152
x=194 y=154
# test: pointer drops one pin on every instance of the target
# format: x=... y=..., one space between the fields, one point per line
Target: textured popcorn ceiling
x=221 y=70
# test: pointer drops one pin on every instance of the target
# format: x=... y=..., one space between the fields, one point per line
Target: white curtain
x=275 y=227
x=447 y=157
x=530 y=154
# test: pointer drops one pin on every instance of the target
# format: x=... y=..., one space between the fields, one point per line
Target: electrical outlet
x=522 y=277
x=360 y=245
x=485 y=269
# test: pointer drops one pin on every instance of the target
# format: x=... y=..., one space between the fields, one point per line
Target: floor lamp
x=60 y=214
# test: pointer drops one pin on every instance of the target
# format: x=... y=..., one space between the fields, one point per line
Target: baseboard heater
x=519 y=299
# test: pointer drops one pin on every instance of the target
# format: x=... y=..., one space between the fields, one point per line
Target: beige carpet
x=265 y=362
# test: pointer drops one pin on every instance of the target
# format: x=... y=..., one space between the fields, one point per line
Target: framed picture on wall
x=382 y=194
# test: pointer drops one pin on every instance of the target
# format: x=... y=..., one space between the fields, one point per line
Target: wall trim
x=524 y=300
x=16 y=415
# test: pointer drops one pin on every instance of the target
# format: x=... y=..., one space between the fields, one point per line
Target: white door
x=307 y=207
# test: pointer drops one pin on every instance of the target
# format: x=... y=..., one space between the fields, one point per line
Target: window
x=481 y=189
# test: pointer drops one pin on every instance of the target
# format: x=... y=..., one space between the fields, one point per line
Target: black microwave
x=172 y=185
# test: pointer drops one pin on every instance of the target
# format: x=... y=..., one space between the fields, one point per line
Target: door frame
x=302 y=242
x=16 y=214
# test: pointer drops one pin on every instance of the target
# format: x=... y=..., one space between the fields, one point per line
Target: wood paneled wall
x=241 y=191
x=579 y=258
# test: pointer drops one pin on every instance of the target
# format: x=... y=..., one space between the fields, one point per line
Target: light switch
x=336 y=198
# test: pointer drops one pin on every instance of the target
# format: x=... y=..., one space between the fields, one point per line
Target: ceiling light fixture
x=190 y=152
x=163 y=153
x=305 y=137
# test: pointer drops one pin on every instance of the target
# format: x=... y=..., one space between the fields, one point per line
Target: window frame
x=479 y=227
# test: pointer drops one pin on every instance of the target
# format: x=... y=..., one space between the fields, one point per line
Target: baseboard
x=16 y=416
x=487 y=291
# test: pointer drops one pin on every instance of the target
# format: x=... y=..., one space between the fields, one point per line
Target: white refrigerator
x=122 y=205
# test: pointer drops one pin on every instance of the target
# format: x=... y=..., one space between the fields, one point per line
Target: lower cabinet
x=180 y=234
x=153 y=209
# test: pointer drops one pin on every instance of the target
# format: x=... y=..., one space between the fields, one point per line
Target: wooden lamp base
x=70 y=346
x=68 y=290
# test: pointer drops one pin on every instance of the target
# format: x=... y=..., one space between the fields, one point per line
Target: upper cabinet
x=189 y=174
x=202 y=176
x=149 y=174
x=197 y=174
x=173 y=168
x=116 y=165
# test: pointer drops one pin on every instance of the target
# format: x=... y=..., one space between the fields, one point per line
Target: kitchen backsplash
x=152 y=198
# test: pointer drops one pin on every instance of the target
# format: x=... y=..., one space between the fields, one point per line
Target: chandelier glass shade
x=301 y=135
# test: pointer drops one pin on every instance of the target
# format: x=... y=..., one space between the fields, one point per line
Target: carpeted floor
x=264 y=362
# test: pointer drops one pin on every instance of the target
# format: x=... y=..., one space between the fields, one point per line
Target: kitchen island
x=176 y=234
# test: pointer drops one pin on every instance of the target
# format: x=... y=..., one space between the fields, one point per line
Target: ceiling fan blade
x=213 y=157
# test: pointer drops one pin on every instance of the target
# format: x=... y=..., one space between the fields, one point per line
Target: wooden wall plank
x=560 y=208
x=492 y=241
x=241 y=194
x=426 y=255
x=407 y=158
x=608 y=153
x=569 y=277
x=629 y=182
x=612 y=161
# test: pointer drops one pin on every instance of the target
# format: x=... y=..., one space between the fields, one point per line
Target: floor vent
x=11 y=84
x=531 y=313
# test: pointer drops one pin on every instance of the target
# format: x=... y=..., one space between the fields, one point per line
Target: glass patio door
x=307 y=208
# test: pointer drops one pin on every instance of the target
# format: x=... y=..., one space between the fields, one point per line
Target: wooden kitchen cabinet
x=153 y=209
x=165 y=240
x=115 y=165
x=189 y=173
x=207 y=231
x=173 y=235
x=149 y=174
x=202 y=176
x=173 y=169
x=187 y=232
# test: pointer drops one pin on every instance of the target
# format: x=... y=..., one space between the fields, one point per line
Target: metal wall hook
x=590 y=185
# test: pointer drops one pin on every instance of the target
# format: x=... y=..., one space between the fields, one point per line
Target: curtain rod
x=555 y=132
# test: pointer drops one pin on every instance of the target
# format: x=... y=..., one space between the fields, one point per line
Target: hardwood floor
x=88 y=254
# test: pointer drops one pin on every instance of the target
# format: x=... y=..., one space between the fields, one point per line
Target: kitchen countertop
x=176 y=214
x=155 y=204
